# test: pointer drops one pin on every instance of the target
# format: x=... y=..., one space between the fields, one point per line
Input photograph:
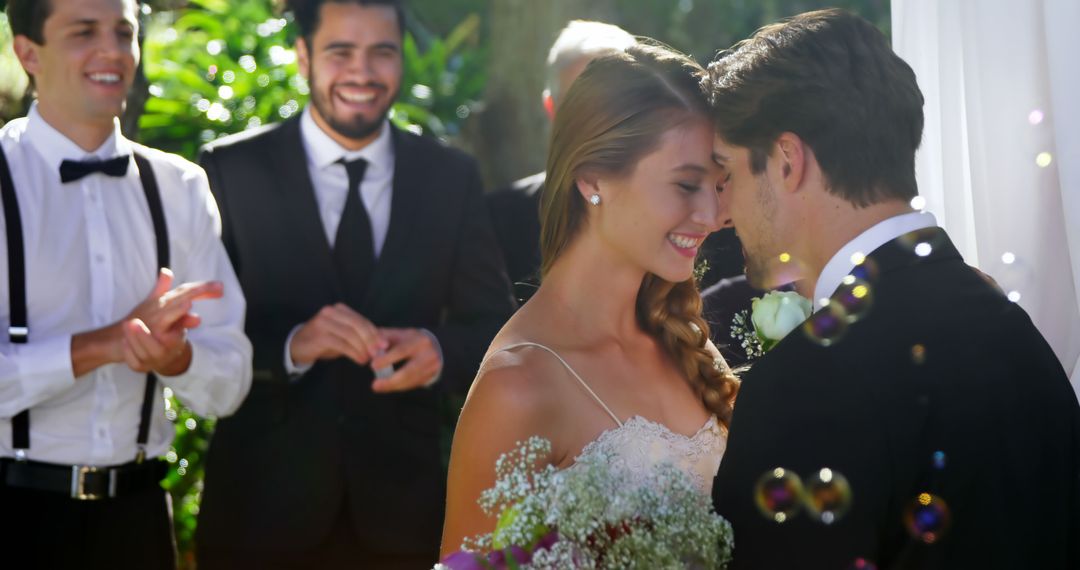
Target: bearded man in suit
x=374 y=285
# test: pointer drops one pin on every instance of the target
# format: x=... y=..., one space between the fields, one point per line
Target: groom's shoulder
x=250 y=140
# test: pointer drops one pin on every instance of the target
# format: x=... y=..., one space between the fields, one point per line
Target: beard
x=763 y=267
x=355 y=127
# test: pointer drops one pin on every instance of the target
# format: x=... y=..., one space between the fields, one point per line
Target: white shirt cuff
x=294 y=370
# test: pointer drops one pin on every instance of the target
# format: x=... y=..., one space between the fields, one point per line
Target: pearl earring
x=594 y=199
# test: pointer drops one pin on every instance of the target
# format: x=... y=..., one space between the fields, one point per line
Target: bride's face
x=659 y=213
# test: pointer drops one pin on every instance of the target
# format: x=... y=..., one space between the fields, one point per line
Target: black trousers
x=55 y=532
x=339 y=551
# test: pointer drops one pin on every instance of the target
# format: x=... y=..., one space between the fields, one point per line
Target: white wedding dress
x=639 y=445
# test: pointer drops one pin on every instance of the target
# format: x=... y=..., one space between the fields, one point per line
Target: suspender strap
x=161 y=236
x=18 y=331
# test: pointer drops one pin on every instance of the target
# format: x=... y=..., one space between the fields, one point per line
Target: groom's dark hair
x=27 y=18
x=831 y=78
x=306 y=13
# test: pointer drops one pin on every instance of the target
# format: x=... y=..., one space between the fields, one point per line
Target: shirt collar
x=323 y=151
x=55 y=147
x=878 y=235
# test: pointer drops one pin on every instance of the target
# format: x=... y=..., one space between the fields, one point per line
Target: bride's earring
x=594 y=199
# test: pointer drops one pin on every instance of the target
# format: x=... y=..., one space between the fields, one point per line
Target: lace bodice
x=639 y=445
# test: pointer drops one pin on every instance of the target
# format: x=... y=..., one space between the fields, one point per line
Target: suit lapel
x=408 y=185
x=297 y=197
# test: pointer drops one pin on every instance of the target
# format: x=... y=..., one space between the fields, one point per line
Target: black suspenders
x=18 y=330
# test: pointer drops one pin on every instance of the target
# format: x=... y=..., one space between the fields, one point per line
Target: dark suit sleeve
x=267 y=338
x=480 y=296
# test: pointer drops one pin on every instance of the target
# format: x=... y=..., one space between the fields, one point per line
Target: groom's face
x=353 y=64
x=752 y=205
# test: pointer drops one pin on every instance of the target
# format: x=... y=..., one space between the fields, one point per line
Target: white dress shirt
x=878 y=235
x=90 y=259
x=330 y=181
x=331 y=184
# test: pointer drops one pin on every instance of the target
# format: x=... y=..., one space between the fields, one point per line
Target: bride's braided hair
x=615 y=113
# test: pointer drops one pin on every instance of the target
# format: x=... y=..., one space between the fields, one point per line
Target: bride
x=610 y=354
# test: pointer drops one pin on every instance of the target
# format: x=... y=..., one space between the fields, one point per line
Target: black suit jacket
x=515 y=215
x=984 y=388
x=280 y=470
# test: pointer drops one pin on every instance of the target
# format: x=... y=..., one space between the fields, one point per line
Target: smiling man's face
x=85 y=66
x=353 y=65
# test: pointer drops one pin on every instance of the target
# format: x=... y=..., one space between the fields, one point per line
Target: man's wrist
x=91 y=350
x=179 y=364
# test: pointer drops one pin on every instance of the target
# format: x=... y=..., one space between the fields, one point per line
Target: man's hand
x=415 y=346
x=152 y=336
x=155 y=332
x=336 y=331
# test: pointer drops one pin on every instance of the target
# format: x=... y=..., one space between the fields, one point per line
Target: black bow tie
x=72 y=170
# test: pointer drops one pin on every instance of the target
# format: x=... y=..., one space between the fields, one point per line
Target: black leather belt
x=82 y=482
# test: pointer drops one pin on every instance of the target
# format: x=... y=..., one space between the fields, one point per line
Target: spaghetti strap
x=568 y=367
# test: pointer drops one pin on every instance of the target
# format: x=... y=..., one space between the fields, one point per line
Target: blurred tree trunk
x=509 y=134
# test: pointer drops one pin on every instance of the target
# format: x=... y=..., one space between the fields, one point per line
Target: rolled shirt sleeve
x=219 y=377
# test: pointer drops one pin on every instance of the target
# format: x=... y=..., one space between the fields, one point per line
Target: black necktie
x=72 y=170
x=354 y=251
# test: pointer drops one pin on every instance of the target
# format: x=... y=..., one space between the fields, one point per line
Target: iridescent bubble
x=779 y=494
x=854 y=296
x=918 y=354
x=927 y=518
x=828 y=495
x=1035 y=117
x=828 y=325
x=862 y=564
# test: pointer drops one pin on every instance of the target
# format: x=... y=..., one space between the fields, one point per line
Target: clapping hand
x=155 y=332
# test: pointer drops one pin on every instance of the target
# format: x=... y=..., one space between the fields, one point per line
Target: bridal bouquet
x=593 y=516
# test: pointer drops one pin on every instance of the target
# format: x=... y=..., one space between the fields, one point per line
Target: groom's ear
x=793 y=160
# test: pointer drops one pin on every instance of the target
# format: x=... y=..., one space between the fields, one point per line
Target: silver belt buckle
x=78 y=483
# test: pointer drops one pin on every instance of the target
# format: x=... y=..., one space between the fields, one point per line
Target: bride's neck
x=594 y=290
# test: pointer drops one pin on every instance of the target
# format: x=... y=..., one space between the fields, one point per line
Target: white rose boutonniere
x=771 y=318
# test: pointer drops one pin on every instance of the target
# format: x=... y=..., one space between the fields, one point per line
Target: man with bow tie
x=113 y=286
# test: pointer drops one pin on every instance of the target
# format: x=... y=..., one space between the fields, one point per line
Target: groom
x=915 y=379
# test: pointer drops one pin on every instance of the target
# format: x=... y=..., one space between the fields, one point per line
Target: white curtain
x=1000 y=159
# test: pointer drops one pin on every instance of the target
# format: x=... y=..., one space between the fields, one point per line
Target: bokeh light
x=828 y=495
x=779 y=494
x=1043 y=159
x=1008 y=258
x=939 y=460
x=918 y=203
x=1035 y=117
x=862 y=564
x=927 y=518
x=918 y=354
